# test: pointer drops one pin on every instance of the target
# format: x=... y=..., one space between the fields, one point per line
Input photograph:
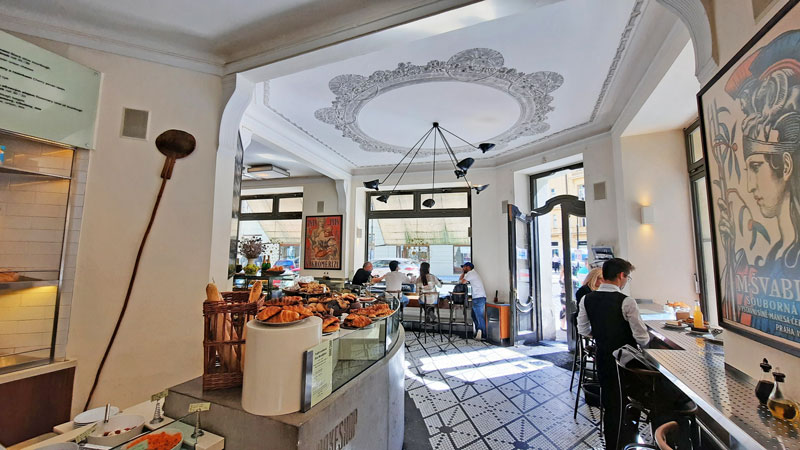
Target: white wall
x=160 y=341
x=325 y=191
x=663 y=252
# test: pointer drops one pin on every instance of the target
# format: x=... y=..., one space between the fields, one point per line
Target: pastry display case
x=35 y=187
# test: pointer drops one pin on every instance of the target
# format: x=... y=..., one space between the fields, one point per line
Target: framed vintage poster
x=750 y=118
x=322 y=248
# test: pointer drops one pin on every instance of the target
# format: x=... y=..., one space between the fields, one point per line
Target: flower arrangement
x=251 y=248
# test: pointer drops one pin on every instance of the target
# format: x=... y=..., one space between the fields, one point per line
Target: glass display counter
x=177 y=435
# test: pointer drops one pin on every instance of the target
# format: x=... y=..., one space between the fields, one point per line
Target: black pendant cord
x=447 y=144
x=433 y=172
x=127 y=294
x=449 y=150
x=460 y=138
x=412 y=158
x=424 y=136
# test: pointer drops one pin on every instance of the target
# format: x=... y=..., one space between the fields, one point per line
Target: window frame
x=697 y=171
x=418 y=211
x=276 y=214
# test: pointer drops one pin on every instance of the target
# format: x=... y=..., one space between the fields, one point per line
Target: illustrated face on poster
x=323 y=243
x=752 y=126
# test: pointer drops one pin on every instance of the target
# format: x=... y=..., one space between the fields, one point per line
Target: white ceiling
x=573 y=45
x=673 y=103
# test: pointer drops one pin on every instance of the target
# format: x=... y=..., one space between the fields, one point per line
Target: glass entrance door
x=525 y=327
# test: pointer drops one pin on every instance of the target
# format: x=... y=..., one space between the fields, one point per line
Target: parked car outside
x=289 y=264
x=407 y=266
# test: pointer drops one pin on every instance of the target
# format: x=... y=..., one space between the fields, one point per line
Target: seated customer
x=427 y=283
x=364 y=275
x=592 y=281
x=394 y=281
x=613 y=319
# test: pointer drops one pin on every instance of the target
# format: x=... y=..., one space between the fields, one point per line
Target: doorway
x=560 y=253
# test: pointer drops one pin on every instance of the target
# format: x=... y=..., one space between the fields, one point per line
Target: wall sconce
x=648 y=215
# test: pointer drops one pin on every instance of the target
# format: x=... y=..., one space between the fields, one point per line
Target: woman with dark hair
x=426 y=283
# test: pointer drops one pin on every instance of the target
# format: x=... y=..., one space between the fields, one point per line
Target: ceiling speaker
x=134 y=123
x=600 y=191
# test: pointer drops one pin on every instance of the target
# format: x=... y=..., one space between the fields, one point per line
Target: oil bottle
x=780 y=406
x=765 y=385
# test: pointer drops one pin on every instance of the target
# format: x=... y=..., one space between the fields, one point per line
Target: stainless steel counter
x=724 y=394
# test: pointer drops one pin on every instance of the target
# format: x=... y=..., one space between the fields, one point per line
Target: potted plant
x=251 y=248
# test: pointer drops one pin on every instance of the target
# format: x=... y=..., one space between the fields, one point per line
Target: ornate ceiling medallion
x=482 y=66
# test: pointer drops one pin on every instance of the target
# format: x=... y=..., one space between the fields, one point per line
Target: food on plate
x=251 y=269
x=284 y=316
x=313 y=288
x=318 y=300
x=109 y=433
x=330 y=324
x=678 y=305
x=278 y=269
x=284 y=301
x=372 y=311
x=300 y=309
x=7 y=276
x=159 y=441
x=268 y=312
x=349 y=297
x=317 y=307
x=357 y=321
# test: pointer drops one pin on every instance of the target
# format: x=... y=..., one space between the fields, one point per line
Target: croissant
x=268 y=312
x=284 y=301
x=284 y=316
x=300 y=309
x=357 y=321
x=328 y=320
x=331 y=328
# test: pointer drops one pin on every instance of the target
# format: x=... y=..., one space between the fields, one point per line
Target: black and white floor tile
x=478 y=396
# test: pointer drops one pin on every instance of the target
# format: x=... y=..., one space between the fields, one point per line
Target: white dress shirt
x=394 y=281
x=630 y=311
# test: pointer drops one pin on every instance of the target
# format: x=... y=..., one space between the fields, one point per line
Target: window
x=277 y=219
x=402 y=229
x=702 y=227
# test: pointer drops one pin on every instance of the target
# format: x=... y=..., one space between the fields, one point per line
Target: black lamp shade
x=383 y=198
x=428 y=203
x=465 y=164
x=372 y=184
x=480 y=188
x=486 y=146
x=460 y=173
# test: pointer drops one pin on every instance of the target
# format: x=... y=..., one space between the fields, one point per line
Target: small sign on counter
x=317 y=374
x=202 y=406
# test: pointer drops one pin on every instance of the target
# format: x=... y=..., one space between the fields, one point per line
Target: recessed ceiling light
x=266 y=171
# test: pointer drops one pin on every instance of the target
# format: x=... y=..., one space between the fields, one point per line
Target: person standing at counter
x=394 y=281
x=364 y=275
x=469 y=275
x=613 y=319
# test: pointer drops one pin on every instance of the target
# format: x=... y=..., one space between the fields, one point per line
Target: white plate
x=94 y=415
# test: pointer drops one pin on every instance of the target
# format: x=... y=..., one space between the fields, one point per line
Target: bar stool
x=644 y=400
x=429 y=299
x=457 y=299
x=585 y=346
x=662 y=437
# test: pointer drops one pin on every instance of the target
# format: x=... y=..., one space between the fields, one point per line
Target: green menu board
x=45 y=95
x=318 y=374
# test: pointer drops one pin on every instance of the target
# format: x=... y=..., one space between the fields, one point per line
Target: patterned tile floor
x=479 y=396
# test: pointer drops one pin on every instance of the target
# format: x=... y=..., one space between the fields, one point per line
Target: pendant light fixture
x=460 y=167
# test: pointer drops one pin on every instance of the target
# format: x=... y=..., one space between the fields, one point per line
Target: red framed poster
x=322 y=247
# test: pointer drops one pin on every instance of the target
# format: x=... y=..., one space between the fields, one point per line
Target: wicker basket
x=224 y=339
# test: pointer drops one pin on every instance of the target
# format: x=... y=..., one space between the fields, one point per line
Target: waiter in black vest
x=613 y=319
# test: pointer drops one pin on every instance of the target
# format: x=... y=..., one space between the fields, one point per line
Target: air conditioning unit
x=266 y=172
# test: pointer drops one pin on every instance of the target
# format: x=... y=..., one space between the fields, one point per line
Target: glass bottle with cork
x=765 y=384
x=780 y=406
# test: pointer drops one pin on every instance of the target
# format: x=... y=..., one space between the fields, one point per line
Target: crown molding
x=188 y=59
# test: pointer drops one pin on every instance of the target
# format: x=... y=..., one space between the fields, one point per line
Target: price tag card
x=204 y=406
x=82 y=437
x=159 y=396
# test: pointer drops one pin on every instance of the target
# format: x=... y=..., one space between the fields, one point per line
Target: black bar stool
x=396 y=295
x=587 y=377
x=638 y=393
x=429 y=300
x=457 y=299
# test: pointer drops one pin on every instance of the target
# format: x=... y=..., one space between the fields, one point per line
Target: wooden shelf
x=7 y=169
